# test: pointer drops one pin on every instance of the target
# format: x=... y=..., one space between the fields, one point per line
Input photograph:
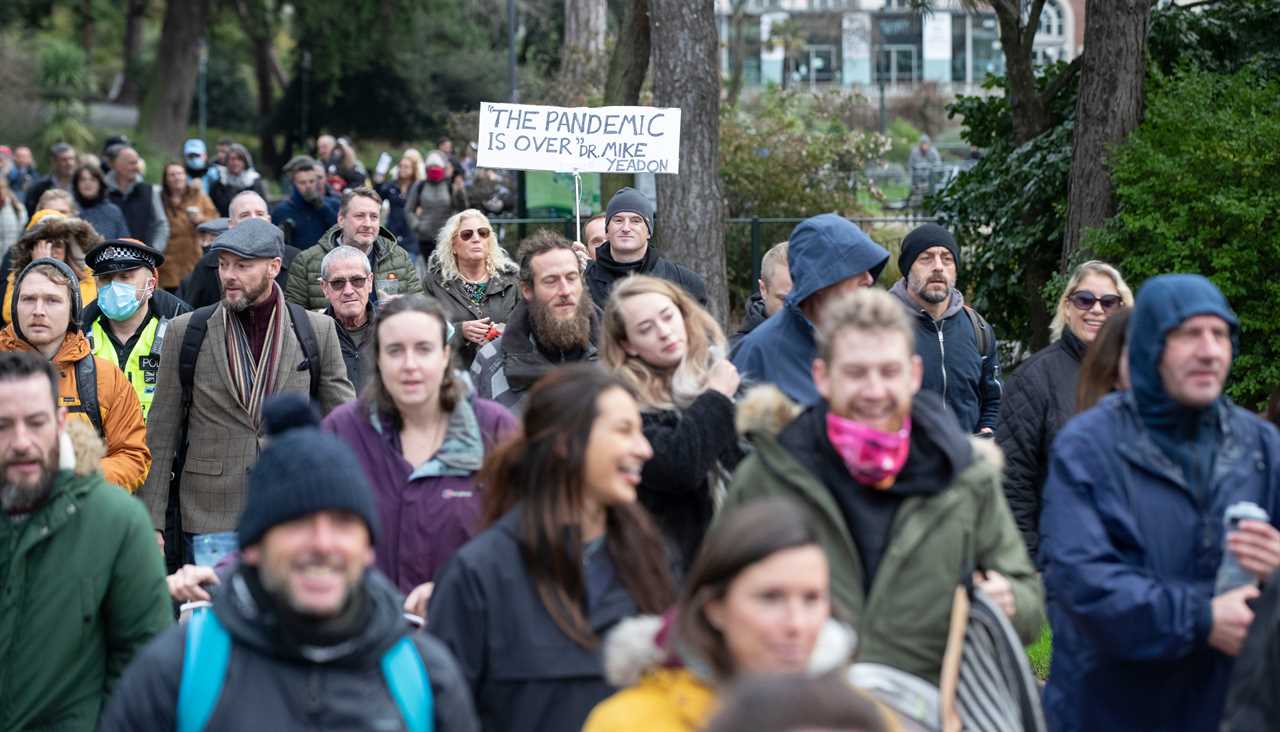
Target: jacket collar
x=1074 y=347
x=899 y=290
x=1137 y=446
x=461 y=453
x=523 y=361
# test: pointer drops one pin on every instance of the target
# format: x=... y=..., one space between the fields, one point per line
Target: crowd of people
x=349 y=463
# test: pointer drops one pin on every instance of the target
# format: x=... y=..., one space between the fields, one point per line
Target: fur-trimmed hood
x=79 y=447
x=634 y=649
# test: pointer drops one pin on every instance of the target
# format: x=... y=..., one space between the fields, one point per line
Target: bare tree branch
x=1033 y=23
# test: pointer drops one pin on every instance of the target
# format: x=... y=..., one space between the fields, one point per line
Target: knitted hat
x=629 y=200
x=302 y=471
x=73 y=324
x=925 y=237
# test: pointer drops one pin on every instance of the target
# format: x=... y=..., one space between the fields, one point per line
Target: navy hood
x=1163 y=303
x=827 y=249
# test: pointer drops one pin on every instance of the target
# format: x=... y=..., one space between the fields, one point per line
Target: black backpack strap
x=87 y=389
x=310 y=346
x=192 y=341
x=981 y=330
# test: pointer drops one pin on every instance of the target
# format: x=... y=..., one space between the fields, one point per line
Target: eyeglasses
x=339 y=284
x=465 y=234
x=1084 y=300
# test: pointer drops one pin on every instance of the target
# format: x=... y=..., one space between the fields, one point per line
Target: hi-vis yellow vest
x=143 y=362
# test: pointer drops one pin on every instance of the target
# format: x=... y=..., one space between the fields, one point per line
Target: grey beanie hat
x=629 y=200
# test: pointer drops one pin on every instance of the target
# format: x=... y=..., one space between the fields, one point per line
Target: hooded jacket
x=672 y=691
x=950 y=518
x=1039 y=398
x=426 y=511
x=525 y=674
x=78 y=237
x=508 y=366
x=276 y=681
x=128 y=459
x=603 y=272
x=501 y=295
x=310 y=221
x=1131 y=535
x=389 y=261
x=227 y=186
x=969 y=381
x=84 y=591
x=824 y=250
x=751 y=319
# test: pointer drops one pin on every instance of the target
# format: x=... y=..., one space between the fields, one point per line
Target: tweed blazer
x=222 y=442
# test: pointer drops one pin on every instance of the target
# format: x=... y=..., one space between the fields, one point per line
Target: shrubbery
x=1196 y=190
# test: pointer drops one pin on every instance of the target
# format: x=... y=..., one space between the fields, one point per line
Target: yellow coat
x=664 y=700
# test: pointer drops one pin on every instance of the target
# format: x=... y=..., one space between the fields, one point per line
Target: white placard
x=579 y=139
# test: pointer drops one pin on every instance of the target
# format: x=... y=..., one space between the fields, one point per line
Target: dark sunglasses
x=465 y=234
x=340 y=283
x=1084 y=300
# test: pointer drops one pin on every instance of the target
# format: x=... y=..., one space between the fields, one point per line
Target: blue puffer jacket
x=824 y=250
x=309 y=222
x=1131 y=541
x=968 y=381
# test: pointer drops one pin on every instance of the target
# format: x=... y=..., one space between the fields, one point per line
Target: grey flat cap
x=214 y=226
x=251 y=239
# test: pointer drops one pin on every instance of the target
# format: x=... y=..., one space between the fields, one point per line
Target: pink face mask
x=874 y=458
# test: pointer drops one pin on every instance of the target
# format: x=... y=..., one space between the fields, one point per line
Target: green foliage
x=1196 y=191
x=790 y=154
x=1040 y=654
x=1009 y=211
x=1221 y=37
x=902 y=137
x=64 y=78
x=230 y=105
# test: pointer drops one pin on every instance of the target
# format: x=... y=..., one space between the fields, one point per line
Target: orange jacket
x=128 y=459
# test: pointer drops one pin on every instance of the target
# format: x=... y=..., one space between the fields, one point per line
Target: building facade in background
x=862 y=43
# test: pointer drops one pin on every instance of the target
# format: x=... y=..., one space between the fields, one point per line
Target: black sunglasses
x=1084 y=300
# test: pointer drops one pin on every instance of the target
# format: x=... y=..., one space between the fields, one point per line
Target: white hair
x=497 y=261
x=341 y=253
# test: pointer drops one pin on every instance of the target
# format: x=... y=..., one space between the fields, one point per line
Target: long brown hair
x=747 y=535
x=1100 y=368
x=541 y=471
x=375 y=393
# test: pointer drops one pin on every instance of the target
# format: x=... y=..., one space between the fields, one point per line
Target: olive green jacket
x=936 y=540
x=389 y=261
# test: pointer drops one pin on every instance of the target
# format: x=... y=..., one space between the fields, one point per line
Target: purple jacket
x=430 y=510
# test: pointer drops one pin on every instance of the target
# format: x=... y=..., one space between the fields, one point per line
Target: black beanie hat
x=921 y=238
x=302 y=471
x=73 y=324
x=630 y=200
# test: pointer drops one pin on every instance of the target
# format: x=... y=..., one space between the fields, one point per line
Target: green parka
x=935 y=541
x=82 y=590
x=388 y=259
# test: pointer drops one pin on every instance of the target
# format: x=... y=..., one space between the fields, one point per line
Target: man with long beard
x=553 y=325
x=83 y=585
x=246 y=347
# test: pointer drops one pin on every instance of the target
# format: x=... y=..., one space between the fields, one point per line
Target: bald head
x=246 y=205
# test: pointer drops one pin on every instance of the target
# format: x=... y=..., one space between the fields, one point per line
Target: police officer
x=126 y=324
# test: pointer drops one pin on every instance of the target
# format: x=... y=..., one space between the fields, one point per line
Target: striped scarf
x=251 y=377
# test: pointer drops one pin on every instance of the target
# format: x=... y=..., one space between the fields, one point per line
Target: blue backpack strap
x=204 y=669
x=409 y=684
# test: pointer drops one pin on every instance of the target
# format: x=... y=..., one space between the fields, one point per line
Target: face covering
x=874 y=458
x=118 y=300
x=435 y=174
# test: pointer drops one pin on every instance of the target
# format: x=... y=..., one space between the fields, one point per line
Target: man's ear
x=526 y=292
x=251 y=555
x=274 y=266
x=61 y=418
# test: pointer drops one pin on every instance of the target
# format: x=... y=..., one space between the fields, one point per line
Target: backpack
x=208 y=652
x=981 y=330
x=87 y=390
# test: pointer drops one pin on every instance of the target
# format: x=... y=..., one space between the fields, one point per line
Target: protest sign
x=579 y=139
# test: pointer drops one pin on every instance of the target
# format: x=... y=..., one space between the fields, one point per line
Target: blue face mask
x=119 y=300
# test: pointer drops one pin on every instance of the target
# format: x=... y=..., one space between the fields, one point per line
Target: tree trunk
x=1108 y=109
x=737 y=52
x=582 y=61
x=167 y=105
x=85 y=20
x=258 y=19
x=1030 y=115
x=628 y=66
x=686 y=74
x=134 y=12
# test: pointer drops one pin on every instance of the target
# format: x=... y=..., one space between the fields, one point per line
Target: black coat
x=272 y=685
x=1253 y=704
x=525 y=674
x=688 y=446
x=1039 y=398
x=604 y=272
x=351 y=354
x=754 y=316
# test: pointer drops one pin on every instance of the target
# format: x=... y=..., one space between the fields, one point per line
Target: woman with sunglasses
x=475 y=280
x=1040 y=396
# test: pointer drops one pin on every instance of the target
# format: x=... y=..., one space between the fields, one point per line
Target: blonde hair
x=419 y=168
x=704 y=341
x=1093 y=266
x=498 y=261
x=866 y=309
